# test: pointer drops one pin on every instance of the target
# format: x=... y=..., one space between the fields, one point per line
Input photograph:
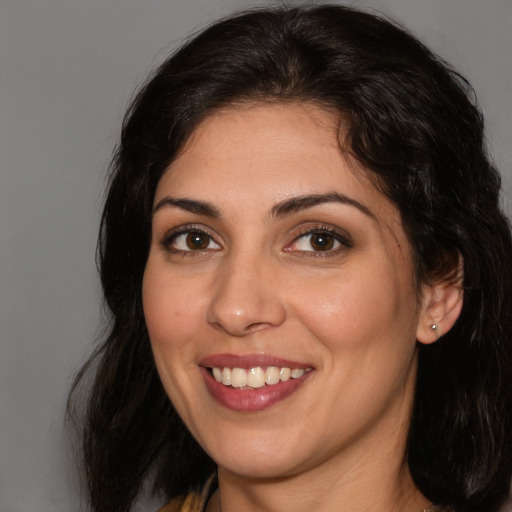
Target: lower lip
x=248 y=399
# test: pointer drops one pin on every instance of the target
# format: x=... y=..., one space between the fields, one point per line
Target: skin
x=259 y=285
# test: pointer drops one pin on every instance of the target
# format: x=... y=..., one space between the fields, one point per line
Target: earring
x=433 y=328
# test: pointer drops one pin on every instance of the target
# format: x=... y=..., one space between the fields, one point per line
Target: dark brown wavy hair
x=413 y=123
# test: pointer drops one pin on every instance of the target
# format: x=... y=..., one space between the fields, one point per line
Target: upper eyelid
x=338 y=233
x=173 y=233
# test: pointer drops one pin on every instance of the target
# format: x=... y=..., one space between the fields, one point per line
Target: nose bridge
x=246 y=296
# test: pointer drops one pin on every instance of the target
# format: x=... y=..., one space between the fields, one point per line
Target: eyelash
x=344 y=241
x=170 y=238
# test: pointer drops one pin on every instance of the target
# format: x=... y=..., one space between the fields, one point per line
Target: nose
x=246 y=298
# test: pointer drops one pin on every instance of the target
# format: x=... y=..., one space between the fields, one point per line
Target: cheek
x=170 y=316
x=170 y=310
x=351 y=310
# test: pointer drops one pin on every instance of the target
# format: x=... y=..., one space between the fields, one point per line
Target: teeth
x=217 y=374
x=285 y=374
x=272 y=375
x=238 y=378
x=256 y=377
x=226 y=377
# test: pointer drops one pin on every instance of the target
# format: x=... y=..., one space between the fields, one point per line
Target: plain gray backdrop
x=67 y=71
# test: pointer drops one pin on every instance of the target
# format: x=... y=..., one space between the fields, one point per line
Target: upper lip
x=248 y=361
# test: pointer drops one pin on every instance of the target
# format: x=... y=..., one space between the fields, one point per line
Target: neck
x=353 y=483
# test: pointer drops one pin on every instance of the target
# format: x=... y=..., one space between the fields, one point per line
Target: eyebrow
x=295 y=204
x=190 y=205
x=278 y=211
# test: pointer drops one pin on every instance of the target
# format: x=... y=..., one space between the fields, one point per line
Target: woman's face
x=277 y=268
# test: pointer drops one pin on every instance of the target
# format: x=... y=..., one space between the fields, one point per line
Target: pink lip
x=247 y=399
x=249 y=361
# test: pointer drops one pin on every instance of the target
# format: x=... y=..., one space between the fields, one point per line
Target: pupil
x=197 y=241
x=322 y=242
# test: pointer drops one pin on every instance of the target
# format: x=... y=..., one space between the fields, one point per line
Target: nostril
x=258 y=326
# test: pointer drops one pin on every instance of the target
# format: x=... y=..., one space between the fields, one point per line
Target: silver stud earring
x=433 y=328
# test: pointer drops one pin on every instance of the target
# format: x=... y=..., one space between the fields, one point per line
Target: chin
x=253 y=458
x=258 y=468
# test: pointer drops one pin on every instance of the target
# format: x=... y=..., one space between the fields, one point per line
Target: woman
x=309 y=278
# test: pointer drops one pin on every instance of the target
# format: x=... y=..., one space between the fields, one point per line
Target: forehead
x=289 y=145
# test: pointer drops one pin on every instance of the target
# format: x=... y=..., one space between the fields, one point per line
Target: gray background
x=68 y=69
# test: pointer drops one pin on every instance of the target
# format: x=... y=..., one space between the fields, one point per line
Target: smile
x=252 y=382
x=256 y=377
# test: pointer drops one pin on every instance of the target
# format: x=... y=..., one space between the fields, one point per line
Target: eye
x=191 y=240
x=318 y=241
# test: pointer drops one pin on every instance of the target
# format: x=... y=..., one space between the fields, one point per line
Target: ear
x=441 y=306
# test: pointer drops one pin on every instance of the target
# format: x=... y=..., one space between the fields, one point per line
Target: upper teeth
x=255 y=377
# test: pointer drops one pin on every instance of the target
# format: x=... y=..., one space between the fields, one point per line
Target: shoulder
x=194 y=501
x=187 y=503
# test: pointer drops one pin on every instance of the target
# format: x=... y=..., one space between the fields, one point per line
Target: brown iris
x=322 y=241
x=197 y=241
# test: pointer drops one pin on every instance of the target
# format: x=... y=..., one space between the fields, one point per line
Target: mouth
x=253 y=382
x=256 y=377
